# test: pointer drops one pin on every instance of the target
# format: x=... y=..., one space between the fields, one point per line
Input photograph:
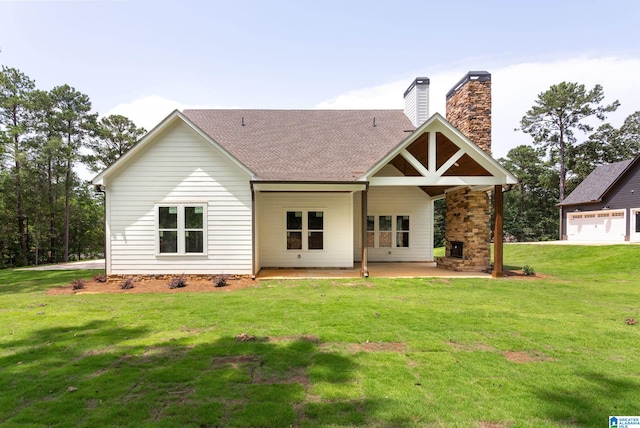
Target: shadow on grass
x=589 y=405
x=28 y=281
x=512 y=267
x=105 y=374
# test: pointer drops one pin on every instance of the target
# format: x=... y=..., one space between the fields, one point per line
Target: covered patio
x=376 y=270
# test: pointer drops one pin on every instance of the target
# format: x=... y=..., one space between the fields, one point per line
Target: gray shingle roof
x=593 y=188
x=305 y=145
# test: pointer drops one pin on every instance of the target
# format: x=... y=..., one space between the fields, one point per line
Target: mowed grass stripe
x=550 y=352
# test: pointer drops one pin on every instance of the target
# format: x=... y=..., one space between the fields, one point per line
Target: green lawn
x=371 y=352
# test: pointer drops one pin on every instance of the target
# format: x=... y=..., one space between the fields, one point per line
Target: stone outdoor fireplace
x=467 y=231
x=457 y=249
x=468 y=218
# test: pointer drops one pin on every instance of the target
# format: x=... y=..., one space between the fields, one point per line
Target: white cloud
x=149 y=111
x=377 y=97
x=514 y=90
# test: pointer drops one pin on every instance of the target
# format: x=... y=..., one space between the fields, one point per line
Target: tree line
x=47 y=213
x=566 y=149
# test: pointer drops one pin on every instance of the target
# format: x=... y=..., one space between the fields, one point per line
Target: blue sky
x=143 y=58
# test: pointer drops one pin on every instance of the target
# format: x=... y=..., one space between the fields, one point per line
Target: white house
x=234 y=191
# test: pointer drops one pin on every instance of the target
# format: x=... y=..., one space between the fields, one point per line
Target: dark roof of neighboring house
x=596 y=185
x=305 y=145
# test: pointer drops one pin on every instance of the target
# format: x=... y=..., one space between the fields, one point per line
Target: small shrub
x=220 y=280
x=100 y=278
x=245 y=337
x=77 y=284
x=127 y=284
x=178 y=282
x=528 y=270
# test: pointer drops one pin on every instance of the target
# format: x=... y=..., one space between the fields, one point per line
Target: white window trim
x=181 y=228
x=394 y=231
x=305 y=229
x=633 y=235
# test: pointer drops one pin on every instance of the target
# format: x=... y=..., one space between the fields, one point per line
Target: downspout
x=100 y=189
x=253 y=232
x=364 y=272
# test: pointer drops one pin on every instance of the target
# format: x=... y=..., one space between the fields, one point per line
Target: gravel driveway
x=83 y=265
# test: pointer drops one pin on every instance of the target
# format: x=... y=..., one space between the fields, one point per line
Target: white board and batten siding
x=179 y=167
x=396 y=201
x=338 y=229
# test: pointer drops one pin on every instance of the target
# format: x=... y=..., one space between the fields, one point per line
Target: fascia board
x=438 y=123
x=151 y=135
x=99 y=179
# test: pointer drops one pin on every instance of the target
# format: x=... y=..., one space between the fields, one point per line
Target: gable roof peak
x=598 y=183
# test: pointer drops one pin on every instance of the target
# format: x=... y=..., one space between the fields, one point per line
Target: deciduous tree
x=606 y=145
x=530 y=208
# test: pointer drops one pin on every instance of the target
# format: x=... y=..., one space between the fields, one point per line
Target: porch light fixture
x=577 y=210
x=606 y=207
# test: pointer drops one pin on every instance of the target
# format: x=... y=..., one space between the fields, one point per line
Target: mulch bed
x=199 y=285
x=520 y=275
x=154 y=286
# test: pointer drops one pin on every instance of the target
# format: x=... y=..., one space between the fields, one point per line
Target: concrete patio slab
x=376 y=270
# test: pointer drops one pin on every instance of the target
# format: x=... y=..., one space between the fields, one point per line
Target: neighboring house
x=234 y=191
x=605 y=206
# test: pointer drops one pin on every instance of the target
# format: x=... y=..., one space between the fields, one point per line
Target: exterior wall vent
x=416 y=101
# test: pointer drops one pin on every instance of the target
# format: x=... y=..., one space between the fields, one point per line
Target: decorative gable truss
x=437 y=156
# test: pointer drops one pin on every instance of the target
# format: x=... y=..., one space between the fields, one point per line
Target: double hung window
x=181 y=228
x=305 y=230
x=402 y=231
x=387 y=231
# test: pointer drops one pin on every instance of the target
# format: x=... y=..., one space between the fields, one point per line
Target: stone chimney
x=467 y=224
x=416 y=101
x=469 y=108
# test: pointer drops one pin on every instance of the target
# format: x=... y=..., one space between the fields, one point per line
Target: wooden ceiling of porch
x=445 y=149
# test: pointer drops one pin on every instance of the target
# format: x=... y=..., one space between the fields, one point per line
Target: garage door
x=602 y=226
